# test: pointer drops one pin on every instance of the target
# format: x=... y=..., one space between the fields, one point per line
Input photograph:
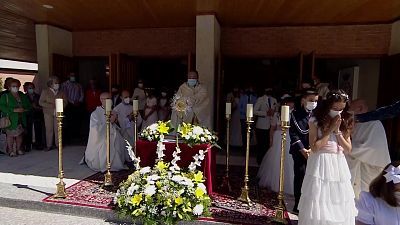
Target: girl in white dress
x=268 y=173
x=327 y=196
x=381 y=206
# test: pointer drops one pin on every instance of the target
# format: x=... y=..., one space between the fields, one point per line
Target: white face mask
x=56 y=86
x=14 y=89
x=163 y=94
x=140 y=85
x=334 y=113
x=127 y=100
x=310 y=106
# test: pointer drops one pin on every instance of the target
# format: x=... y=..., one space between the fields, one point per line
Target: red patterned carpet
x=226 y=208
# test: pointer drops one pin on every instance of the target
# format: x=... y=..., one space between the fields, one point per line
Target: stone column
x=208 y=33
x=49 y=40
x=395 y=39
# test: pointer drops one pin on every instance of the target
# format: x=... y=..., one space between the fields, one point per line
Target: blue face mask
x=192 y=82
x=72 y=79
x=30 y=91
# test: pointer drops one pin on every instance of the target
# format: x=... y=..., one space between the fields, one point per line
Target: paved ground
x=27 y=217
x=33 y=176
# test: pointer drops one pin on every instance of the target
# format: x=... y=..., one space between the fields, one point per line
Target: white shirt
x=263 y=104
x=375 y=211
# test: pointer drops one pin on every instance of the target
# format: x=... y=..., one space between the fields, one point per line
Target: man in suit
x=299 y=143
x=264 y=109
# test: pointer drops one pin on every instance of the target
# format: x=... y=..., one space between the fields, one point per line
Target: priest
x=199 y=100
x=96 y=150
x=124 y=113
x=370 y=152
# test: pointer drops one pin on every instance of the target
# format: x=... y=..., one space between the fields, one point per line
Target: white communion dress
x=269 y=171
x=327 y=196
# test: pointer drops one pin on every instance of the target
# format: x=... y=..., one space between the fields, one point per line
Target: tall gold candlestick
x=61 y=193
x=135 y=116
x=244 y=196
x=107 y=175
x=225 y=180
x=280 y=209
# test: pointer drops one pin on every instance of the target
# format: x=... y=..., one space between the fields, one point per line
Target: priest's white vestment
x=124 y=112
x=369 y=155
x=200 y=113
x=96 y=149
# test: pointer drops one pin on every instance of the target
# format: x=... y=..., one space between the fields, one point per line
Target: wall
x=341 y=41
x=17 y=37
x=158 y=42
x=368 y=78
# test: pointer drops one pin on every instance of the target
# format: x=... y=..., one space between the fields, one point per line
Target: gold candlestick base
x=244 y=196
x=61 y=193
x=280 y=209
x=108 y=179
x=225 y=179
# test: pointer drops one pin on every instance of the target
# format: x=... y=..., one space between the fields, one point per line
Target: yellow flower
x=137 y=199
x=185 y=129
x=179 y=200
x=161 y=165
x=163 y=128
x=169 y=202
x=198 y=177
x=199 y=192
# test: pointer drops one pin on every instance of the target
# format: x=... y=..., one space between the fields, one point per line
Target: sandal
x=20 y=152
x=12 y=154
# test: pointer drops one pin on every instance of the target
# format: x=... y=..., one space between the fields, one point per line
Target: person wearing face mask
x=74 y=110
x=15 y=105
x=124 y=112
x=197 y=93
x=327 y=196
x=140 y=94
x=249 y=97
x=381 y=205
x=164 y=109
x=235 y=126
x=92 y=96
x=322 y=88
x=299 y=143
x=47 y=102
x=115 y=95
x=370 y=153
x=267 y=173
x=150 y=115
x=264 y=109
x=96 y=149
x=34 y=119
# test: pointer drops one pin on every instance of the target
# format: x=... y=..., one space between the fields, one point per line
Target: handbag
x=5 y=120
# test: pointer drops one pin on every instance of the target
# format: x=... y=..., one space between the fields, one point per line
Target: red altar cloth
x=147 y=152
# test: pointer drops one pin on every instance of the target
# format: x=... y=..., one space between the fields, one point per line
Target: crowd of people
x=340 y=171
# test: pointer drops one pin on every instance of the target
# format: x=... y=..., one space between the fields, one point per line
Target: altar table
x=147 y=152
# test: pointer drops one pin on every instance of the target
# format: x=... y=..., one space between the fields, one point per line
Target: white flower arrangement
x=156 y=131
x=194 y=135
x=164 y=194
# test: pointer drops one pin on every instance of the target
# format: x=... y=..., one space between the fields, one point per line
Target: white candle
x=228 y=108
x=108 y=105
x=249 y=112
x=285 y=113
x=59 y=105
x=135 y=105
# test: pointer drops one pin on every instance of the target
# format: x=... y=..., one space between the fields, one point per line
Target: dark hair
x=309 y=91
x=321 y=113
x=379 y=188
